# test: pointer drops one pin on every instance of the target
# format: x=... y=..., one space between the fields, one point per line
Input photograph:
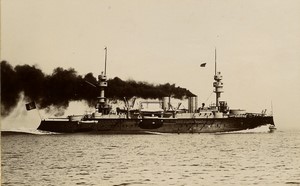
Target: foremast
x=102 y=106
x=218 y=84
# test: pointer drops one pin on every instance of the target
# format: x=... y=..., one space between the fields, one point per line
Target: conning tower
x=218 y=84
x=102 y=106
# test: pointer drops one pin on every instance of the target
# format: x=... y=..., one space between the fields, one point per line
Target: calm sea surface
x=248 y=158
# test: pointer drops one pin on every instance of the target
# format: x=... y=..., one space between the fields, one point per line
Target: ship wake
x=261 y=129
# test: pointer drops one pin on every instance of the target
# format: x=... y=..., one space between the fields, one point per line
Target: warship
x=165 y=118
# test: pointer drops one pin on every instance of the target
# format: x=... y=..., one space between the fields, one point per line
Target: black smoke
x=65 y=85
x=119 y=89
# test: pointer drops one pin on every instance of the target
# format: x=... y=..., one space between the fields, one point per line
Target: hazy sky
x=257 y=41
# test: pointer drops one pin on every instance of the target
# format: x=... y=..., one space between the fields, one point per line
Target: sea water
x=241 y=158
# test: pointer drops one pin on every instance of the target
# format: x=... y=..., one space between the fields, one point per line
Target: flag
x=30 y=106
x=203 y=65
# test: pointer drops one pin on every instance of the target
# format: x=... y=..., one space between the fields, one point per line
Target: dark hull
x=156 y=125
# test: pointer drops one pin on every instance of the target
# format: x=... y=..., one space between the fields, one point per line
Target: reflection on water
x=187 y=159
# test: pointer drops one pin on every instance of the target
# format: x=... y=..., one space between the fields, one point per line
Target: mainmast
x=215 y=61
x=218 y=84
x=105 y=60
x=102 y=106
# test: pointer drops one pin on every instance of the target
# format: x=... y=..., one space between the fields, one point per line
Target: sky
x=160 y=41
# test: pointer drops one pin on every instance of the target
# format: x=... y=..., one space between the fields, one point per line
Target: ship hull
x=155 y=125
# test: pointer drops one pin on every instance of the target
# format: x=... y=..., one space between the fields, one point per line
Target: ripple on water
x=231 y=159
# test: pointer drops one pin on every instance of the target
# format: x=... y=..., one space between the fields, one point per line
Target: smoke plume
x=65 y=85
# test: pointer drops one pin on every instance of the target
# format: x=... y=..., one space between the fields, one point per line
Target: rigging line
x=209 y=96
x=51 y=114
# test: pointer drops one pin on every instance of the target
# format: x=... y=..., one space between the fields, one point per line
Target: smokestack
x=192 y=104
x=166 y=103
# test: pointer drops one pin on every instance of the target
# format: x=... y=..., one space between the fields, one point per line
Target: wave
x=25 y=132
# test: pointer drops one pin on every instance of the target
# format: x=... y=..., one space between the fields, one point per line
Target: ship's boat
x=164 y=119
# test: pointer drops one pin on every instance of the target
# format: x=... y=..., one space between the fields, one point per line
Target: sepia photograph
x=140 y=92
